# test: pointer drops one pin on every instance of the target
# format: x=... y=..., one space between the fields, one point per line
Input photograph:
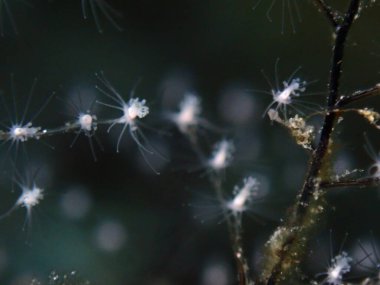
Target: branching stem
x=329 y=12
x=329 y=121
x=297 y=222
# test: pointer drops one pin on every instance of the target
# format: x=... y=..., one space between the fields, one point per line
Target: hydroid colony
x=131 y=116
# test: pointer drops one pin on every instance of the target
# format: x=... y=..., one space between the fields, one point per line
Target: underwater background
x=114 y=220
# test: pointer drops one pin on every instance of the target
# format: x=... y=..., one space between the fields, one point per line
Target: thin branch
x=330 y=14
x=236 y=238
x=363 y=182
x=358 y=95
x=235 y=232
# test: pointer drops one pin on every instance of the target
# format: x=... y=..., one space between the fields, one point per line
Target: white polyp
x=243 y=195
x=135 y=108
x=294 y=88
x=86 y=122
x=188 y=114
x=30 y=197
x=222 y=155
x=132 y=111
x=23 y=133
x=340 y=265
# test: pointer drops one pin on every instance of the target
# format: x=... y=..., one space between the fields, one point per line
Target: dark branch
x=335 y=74
x=329 y=12
x=297 y=217
x=358 y=95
